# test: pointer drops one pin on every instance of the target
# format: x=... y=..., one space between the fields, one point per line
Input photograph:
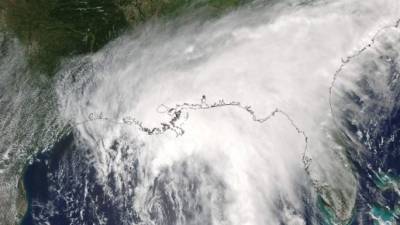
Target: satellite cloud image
x=199 y=112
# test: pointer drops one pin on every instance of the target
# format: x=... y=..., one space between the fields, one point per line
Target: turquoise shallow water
x=62 y=189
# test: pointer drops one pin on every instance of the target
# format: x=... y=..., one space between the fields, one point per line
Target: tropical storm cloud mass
x=200 y=112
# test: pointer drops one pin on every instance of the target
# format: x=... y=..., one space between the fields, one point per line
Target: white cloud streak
x=273 y=57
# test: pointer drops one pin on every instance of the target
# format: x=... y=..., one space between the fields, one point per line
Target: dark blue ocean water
x=55 y=182
x=376 y=125
x=62 y=189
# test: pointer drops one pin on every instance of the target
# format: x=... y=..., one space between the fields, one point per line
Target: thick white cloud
x=273 y=57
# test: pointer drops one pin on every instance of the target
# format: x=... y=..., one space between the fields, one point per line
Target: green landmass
x=50 y=31
x=21 y=203
x=54 y=29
